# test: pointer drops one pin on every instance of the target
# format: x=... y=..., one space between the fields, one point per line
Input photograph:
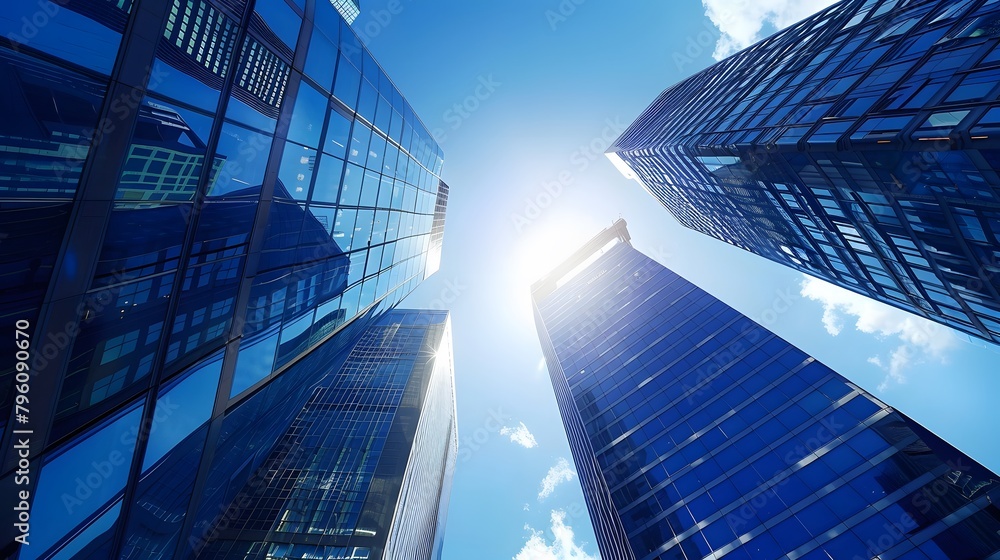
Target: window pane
x=182 y=408
x=348 y=82
x=259 y=89
x=277 y=16
x=74 y=36
x=307 y=116
x=194 y=54
x=321 y=60
x=338 y=134
x=103 y=457
x=296 y=172
x=328 y=179
x=244 y=153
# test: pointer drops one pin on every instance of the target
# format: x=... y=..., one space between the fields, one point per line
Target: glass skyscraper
x=860 y=145
x=203 y=203
x=364 y=470
x=699 y=434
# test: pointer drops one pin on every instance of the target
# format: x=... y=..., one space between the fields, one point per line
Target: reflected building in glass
x=350 y=9
x=699 y=434
x=860 y=145
x=203 y=204
x=365 y=468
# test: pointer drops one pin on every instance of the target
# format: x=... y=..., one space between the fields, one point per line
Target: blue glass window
x=79 y=37
x=165 y=159
x=81 y=478
x=321 y=58
x=344 y=228
x=367 y=101
x=259 y=89
x=350 y=192
x=255 y=360
x=338 y=134
x=307 y=116
x=348 y=82
x=243 y=155
x=360 y=137
x=296 y=171
x=328 y=180
x=101 y=529
x=281 y=19
x=182 y=408
x=194 y=53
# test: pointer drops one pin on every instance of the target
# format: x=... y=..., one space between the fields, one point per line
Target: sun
x=547 y=242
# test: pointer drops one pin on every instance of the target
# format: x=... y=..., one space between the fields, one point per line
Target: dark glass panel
x=113 y=354
x=174 y=450
x=321 y=61
x=80 y=33
x=82 y=478
x=284 y=228
x=194 y=53
x=259 y=88
x=165 y=158
x=30 y=236
x=205 y=310
x=276 y=20
x=49 y=126
x=256 y=359
x=243 y=155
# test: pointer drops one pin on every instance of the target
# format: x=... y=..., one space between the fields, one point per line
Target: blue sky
x=524 y=97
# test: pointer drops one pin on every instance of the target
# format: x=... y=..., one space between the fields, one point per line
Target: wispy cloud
x=919 y=340
x=559 y=473
x=563 y=547
x=519 y=435
x=740 y=22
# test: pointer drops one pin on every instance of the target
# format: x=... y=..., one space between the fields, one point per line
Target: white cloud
x=741 y=21
x=563 y=546
x=559 y=473
x=519 y=435
x=919 y=339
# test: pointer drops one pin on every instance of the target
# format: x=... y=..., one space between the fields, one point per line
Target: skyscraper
x=365 y=468
x=203 y=203
x=697 y=433
x=859 y=145
x=349 y=9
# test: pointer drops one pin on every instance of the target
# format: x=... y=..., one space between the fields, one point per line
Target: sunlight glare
x=545 y=245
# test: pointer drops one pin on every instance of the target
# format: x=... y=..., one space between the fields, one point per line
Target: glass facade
x=350 y=9
x=202 y=204
x=699 y=434
x=363 y=471
x=859 y=145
